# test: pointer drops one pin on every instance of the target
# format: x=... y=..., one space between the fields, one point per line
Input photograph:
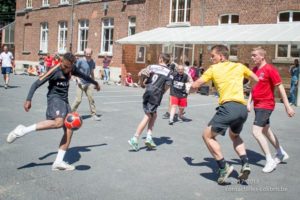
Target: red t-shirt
x=55 y=62
x=48 y=61
x=263 y=91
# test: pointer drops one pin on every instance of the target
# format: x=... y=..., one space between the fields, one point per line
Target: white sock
x=280 y=150
x=269 y=157
x=28 y=129
x=149 y=135
x=60 y=155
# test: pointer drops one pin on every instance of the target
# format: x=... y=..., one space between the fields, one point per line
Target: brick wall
x=149 y=14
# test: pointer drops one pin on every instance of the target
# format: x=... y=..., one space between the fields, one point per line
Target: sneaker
x=96 y=118
x=134 y=144
x=62 y=166
x=150 y=143
x=5 y=86
x=269 y=167
x=14 y=134
x=245 y=171
x=166 y=115
x=171 y=122
x=280 y=158
x=224 y=173
x=184 y=119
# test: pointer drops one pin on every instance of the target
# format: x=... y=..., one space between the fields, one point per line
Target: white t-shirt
x=6 y=59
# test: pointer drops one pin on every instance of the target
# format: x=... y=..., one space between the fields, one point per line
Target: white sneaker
x=62 y=166
x=269 y=167
x=280 y=158
x=96 y=118
x=14 y=134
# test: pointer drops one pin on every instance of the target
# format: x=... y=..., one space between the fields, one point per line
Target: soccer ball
x=73 y=121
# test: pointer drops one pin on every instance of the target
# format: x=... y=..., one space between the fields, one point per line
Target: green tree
x=7 y=11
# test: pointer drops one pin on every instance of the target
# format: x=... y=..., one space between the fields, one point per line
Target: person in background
x=294 y=72
x=129 y=81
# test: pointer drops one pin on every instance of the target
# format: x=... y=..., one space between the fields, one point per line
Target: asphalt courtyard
x=180 y=167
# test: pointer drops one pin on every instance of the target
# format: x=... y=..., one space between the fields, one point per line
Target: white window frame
x=45 y=3
x=85 y=28
x=63 y=2
x=140 y=56
x=229 y=19
x=131 y=25
x=289 y=49
x=28 y=3
x=44 y=41
x=110 y=27
x=291 y=12
x=176 y=15
x=62 y=38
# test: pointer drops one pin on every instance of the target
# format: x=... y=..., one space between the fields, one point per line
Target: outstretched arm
x=289 y=110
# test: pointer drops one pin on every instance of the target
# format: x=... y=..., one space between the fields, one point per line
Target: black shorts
x=262 y=117
x=230 y=114
x=149 y=108
x=57 y=108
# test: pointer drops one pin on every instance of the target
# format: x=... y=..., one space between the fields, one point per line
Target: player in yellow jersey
x=232 y=111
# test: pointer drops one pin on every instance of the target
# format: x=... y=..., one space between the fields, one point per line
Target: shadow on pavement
x=73 y=155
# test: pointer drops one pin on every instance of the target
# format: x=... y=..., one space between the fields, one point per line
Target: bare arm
x=197 y=84
x=289 y=110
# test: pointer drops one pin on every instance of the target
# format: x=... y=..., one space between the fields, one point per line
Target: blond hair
x=260 y=50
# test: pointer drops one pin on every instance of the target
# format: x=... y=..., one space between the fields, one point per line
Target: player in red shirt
x=264 y=103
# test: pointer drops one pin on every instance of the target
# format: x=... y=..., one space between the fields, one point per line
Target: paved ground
x=180 y=168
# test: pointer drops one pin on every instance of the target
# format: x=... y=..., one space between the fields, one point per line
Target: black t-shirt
x=155 y=85
x=178 y=85
x=58 y=83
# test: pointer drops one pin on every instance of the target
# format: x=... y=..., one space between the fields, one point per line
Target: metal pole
x=72 y=24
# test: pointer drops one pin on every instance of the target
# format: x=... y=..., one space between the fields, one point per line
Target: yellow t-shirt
x=228 y=79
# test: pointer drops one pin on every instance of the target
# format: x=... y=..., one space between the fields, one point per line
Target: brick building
x=53 y=26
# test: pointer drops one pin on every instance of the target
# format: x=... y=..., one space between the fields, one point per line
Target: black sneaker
x=166 y=115
x=171 y=122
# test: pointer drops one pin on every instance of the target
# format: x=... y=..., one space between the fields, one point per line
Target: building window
x=233 y=50
x=45 y=3
x=131 y=26
x=107 y=35
x=229 y=19
x=28 y=3
x=289 y=16
x=83 y=32
x=287 y=51
x=44 y=38
x=62 y=37
x=64 y=1
x=140 y=54
x=180 y=11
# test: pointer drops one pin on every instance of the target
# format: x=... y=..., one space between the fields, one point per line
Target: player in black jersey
x=58 y=106
x=159 y=80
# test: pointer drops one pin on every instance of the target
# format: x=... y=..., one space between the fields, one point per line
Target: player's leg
x=149 y=141
x=59 y=163
x=78 y=99
x=281 y=154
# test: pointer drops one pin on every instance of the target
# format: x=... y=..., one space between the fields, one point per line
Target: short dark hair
x=69 y=57
x=221 y=49
x=165 y=57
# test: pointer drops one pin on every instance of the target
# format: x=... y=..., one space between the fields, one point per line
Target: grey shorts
x=262 y=117
x=230 y=114
x=57 y=108
x=149 y=108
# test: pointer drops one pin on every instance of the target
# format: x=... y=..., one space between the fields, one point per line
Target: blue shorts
x=6 y=70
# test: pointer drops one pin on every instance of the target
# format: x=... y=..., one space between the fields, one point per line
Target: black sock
x=221 y=163
x=244 y=159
